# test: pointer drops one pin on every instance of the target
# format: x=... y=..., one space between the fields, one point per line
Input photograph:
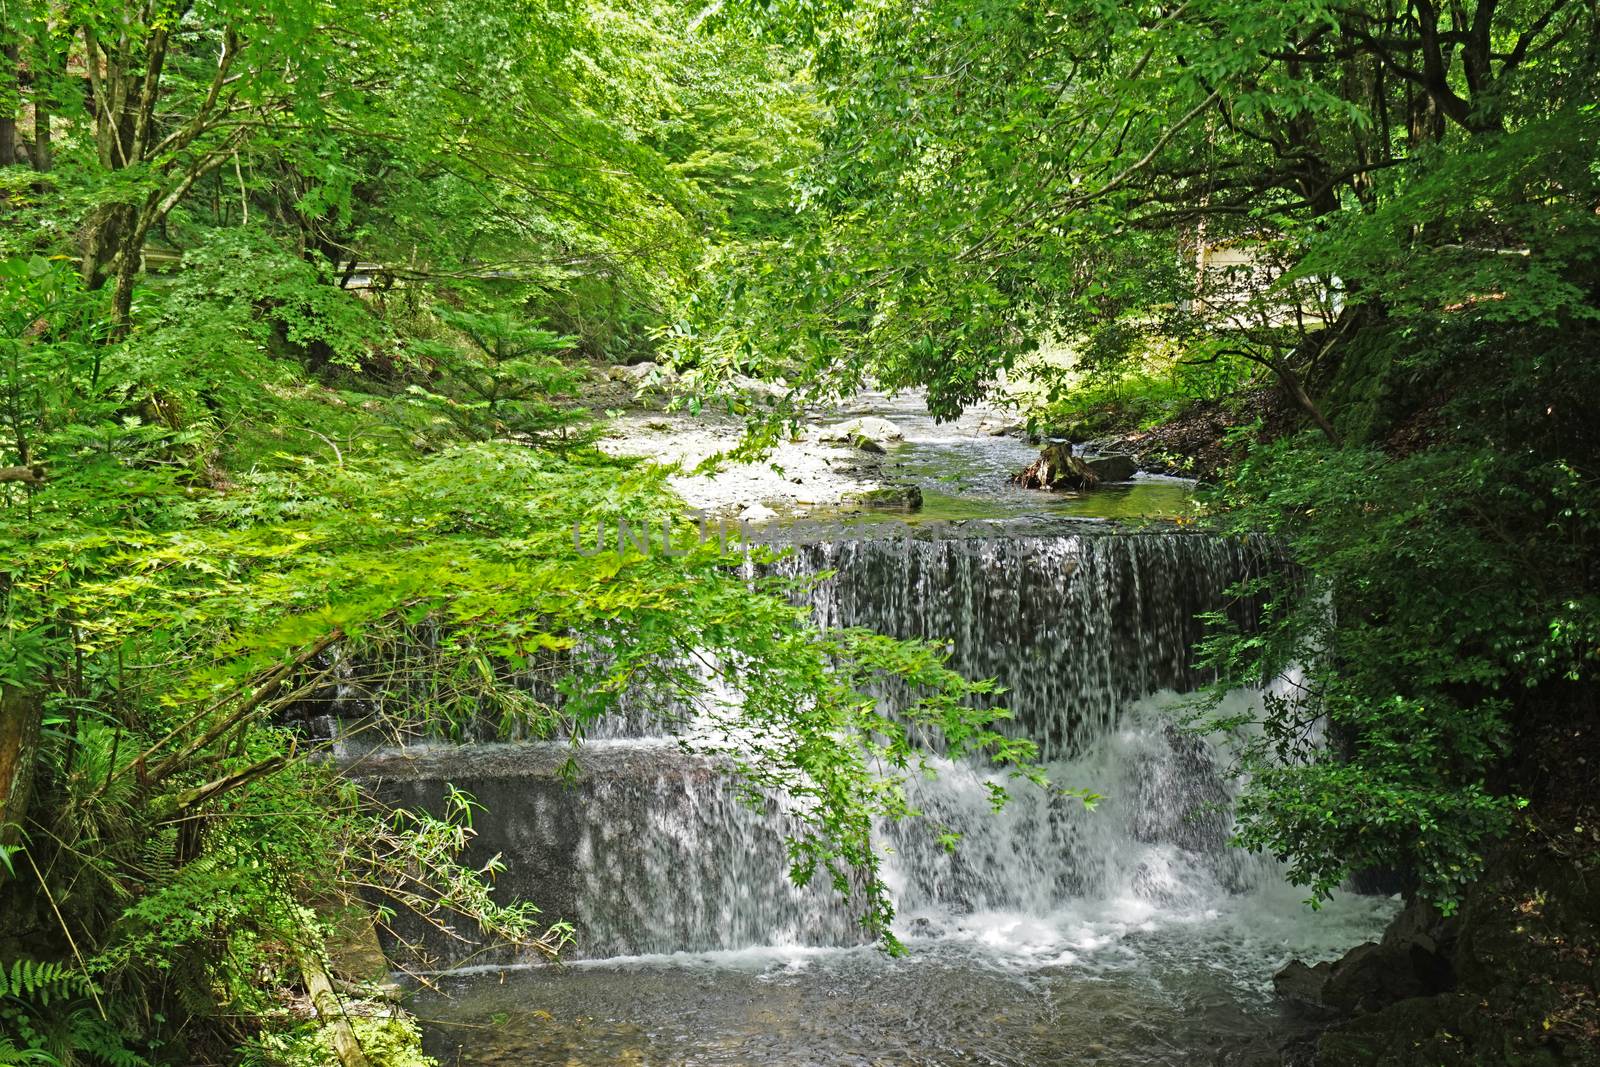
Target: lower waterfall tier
x=1073 y=626
x=650 y=850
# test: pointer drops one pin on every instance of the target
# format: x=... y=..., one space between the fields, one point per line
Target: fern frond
x=12 y=1056
x=40 y=981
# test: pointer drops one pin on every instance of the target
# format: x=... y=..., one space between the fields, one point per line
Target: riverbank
x=1513 y=976
x=862 y=457
x=801 y=473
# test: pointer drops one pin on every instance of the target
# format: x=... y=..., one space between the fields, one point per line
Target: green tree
x=503 y=382
x=288 y=223
x=1411 y=189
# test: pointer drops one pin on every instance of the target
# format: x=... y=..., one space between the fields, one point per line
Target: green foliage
x=296 y=413
x=256 y=477
x=1441 y=603
x=1130 y=395
x=49 y=352
x=1388 y=212
x=339 y=440
x=52 y=1013
x=1072 y=177
x=502 y=382
x=1516 y=251
x=387 y=1042
x=289 y=301
x=36 y=981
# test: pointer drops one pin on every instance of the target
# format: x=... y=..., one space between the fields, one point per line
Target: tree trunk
x=103 y=239
x=21 y=713
x=50 y=73
x=1057 y=468
x=346 y=1046
x=9 y=53
x=1291 y=381
x=122 y=294
x=41 y=138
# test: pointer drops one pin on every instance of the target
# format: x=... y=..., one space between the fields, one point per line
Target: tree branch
x=33 y=475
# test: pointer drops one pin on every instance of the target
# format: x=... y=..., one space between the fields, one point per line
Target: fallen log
x=330 y=1009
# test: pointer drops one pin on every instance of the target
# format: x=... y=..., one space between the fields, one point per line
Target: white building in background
x=1238 y=285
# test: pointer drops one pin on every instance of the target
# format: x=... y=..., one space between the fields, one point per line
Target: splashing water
x=1129 y=934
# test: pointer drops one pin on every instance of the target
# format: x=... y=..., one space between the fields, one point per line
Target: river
x=1131 y=934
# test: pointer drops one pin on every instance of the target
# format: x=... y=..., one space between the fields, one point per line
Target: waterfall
x=1074 y=626
x=651 y=851
x=648 y=851
x=1155 y=841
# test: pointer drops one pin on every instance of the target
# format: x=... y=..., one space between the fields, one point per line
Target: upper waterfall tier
x=1074 y=625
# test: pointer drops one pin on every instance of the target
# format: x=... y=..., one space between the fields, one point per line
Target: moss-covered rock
x=1523 y=960
x=891 y=498
x=1113 y=468
x=388 y=1038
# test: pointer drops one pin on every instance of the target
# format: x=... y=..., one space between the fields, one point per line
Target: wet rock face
x=892 y=498
x=1414 y=959
x=1429 y=942
x=1371 y=977
x=1513 y=978
x=1401 y=1036
x=1302 y=986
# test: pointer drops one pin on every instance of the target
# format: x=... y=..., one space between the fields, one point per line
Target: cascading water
x=1074 y=625
x=652 y=851
x=1128 y=934
x=648 y=851
x=1083 y=629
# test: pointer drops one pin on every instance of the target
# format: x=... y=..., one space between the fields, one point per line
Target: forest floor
x=1195 y=442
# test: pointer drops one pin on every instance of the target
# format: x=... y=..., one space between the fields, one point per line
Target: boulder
x=748 y=386
x=1057 y=468
x=1412 y=960
x=757 y=513
x=643 y=375
x=998 y=425
x=1509 y=978
x=902 y=497
x=1368 y=978
x=867 y=444
x=1302 y=986
x=1113 y=468
x=868 y=426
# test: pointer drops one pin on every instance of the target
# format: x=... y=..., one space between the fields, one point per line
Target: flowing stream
x=1130 y=934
